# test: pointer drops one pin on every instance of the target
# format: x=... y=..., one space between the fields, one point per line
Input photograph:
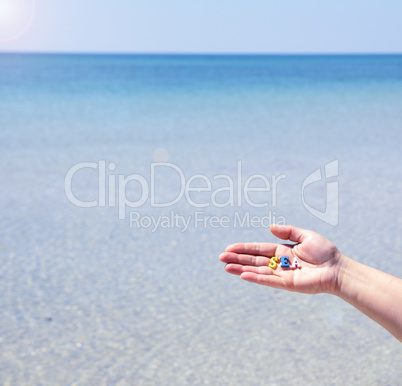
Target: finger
x=268 y=280
x=231 y=257
x=238 y=269
x=257 y=249
x=289 y=232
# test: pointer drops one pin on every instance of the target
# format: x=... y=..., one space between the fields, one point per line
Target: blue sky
x=202 y=26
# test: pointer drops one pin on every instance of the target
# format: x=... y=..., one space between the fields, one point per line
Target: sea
x=123 y=177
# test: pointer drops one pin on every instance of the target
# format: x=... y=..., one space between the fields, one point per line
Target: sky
x=201 y=26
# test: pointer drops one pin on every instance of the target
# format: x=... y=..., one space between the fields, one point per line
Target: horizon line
x=178 y=53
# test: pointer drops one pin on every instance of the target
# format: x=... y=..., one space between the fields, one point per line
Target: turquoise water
x=87 y=298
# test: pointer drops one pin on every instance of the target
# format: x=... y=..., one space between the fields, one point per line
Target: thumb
x=289 y=232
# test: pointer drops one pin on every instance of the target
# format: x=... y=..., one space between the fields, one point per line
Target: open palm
x=320 y=261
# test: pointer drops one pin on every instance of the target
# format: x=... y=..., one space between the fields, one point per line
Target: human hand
x=320 y=261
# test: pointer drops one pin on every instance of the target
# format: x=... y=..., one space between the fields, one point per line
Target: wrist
x=343 y=266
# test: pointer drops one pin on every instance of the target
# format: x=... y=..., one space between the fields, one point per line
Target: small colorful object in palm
x=296 y=263
x=273 y=262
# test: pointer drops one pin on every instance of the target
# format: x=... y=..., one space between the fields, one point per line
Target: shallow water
x=89 y=299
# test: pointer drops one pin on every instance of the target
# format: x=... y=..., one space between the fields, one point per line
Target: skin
x=324 y=270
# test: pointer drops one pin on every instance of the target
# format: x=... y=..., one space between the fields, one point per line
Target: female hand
x=320 y=261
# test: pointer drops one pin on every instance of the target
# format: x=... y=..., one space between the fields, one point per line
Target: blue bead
x=284 y=261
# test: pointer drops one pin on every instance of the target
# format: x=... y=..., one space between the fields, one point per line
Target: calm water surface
x=88 y=298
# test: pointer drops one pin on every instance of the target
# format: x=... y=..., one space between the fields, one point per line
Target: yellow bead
x=274 y=262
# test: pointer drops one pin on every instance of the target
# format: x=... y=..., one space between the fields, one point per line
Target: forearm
x=375 y=293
